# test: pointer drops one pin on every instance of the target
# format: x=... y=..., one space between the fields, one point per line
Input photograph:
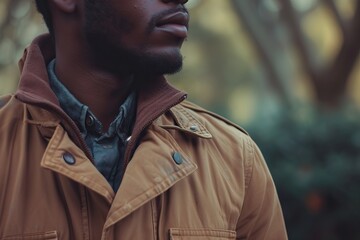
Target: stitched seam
x=85 y=215
x=154 y=218
x=167 y=184
x=82 y=179
x=201 y=232
x=159 y=184
x=192 y=117
x=45 y=235
x=176 y=111
x=188 y=105
x=49 y=163
x=249 y=161
x=205 y=135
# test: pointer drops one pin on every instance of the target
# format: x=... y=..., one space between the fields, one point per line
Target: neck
x=103 y=92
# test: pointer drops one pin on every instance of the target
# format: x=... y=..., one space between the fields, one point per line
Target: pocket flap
x=51 y=235
x=200 y=234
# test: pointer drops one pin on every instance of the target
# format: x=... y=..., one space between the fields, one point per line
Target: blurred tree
x=278 y=31
x=18 y=25
x=314 y=158
x=268 y=20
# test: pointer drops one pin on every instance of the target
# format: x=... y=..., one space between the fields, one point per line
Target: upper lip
x=179 y=18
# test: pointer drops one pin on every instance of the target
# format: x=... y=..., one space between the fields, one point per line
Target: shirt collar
x=82 y=115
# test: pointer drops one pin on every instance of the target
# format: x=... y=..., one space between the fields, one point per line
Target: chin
x=158 y=64
x=141 y=61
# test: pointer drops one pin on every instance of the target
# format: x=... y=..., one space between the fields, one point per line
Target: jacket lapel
x=151 y=172
x=65 y=158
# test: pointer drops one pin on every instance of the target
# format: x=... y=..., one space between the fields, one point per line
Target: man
x=95 y=144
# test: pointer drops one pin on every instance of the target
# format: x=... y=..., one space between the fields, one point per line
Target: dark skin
x=100 y=80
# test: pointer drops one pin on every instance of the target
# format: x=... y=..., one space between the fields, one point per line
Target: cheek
x=139 y=23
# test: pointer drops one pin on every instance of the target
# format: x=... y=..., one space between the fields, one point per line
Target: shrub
x=315 y=164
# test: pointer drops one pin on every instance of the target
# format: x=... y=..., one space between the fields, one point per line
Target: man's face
x=136 y=36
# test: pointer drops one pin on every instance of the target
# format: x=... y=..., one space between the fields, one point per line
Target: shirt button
x=89 y=121
x=178 y=159
x=69 y=158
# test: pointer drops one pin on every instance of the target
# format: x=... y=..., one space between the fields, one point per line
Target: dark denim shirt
x=107 y=148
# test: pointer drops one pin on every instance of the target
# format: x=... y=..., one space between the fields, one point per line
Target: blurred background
x=286 y=70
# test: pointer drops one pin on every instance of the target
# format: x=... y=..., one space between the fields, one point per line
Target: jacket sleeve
x=261 y=217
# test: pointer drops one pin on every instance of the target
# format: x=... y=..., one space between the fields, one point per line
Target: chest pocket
x=200 y=234
x=52 y=235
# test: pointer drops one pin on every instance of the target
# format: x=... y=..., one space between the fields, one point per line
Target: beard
x=103 y=29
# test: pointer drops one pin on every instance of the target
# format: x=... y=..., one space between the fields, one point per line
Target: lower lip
x=177 y=30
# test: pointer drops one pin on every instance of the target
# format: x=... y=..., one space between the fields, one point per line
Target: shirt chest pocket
x=51 y=235
x=201 y=234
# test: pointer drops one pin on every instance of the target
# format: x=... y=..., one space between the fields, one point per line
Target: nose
x=183 y=2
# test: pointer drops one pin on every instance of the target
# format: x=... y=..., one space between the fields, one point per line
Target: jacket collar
x=157 y=171
x=34 y=85
x=153 y=99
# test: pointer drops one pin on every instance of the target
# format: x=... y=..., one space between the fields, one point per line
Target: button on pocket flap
x=201 y=234
x=51 y=235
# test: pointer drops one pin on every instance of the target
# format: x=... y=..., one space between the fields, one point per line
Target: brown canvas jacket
x=189 y=173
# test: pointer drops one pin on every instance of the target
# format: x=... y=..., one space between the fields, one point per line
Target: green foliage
x=315 y=164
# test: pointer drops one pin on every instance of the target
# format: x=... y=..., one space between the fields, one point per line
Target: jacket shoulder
x=236 y=148
x=211 y=115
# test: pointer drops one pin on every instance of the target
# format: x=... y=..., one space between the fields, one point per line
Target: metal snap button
x=194 y=128
x=69 y=158
x=177 y=157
